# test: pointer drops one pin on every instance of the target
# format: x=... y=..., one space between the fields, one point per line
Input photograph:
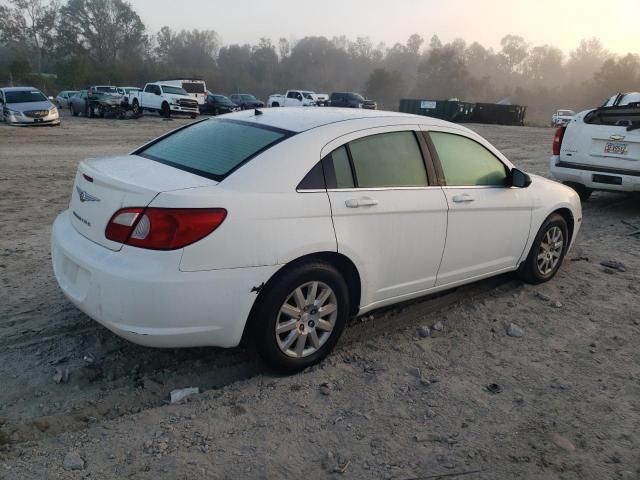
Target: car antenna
x=257 y=112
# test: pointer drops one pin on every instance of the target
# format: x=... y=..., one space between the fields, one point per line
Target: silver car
x=63 y=98
x=27 y=106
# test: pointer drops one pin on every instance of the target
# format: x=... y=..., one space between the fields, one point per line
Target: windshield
x=174 y=90
x=248 y=97
x=213 y=148
x=356 y=96
x=25 y=96
x=221 y=99
x=566 y=113
x=307 y=95
x=193 y=87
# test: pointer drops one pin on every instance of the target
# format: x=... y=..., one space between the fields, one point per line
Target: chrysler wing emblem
x=85 y=196
x=616 y=137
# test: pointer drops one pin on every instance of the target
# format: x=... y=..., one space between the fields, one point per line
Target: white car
x=162 y=98
x=195 y=88
x=322 y=99
x=561 y=118
x=599 y=150
x=292 y=98
x=279 y=225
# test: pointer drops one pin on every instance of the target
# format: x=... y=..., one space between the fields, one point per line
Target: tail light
x=557 y=140
x=163 y=228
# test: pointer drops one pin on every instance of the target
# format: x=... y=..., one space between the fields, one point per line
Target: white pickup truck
x=599 y=149
x=293 y=98
x=164 y=99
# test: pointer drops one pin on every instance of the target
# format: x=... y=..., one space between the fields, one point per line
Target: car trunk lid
x=104 y=186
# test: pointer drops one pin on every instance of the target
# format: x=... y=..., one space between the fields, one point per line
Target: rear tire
x=294 y=304
x=583 y=192
x=547 y=252
x=275 y=104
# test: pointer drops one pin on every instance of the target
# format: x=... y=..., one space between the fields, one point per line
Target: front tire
x=73 y=111
x=165 y=110
x=135 y=108
x=547 y=252
x=301 y=317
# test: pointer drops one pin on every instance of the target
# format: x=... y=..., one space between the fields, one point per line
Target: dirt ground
x=387 y=404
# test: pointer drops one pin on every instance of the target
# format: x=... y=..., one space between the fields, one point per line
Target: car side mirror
x=299 y=97
x=519 y=179
x=157 y=93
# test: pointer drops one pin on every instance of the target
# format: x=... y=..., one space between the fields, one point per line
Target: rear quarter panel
x=268 y=222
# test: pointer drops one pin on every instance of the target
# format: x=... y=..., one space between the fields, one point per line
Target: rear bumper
x=595 y=177
x=142 y=296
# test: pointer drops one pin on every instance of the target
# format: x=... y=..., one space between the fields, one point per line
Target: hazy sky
x=558 y=22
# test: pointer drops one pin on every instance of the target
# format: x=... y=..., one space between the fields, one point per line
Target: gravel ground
x=409 y=392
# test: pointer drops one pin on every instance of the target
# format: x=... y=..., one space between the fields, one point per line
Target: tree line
x=55 y=44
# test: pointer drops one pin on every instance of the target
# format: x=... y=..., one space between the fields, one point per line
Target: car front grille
x=188 y=103
x=37 y=113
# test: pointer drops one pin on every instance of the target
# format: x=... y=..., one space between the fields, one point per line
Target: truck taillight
x=163 y=228
x=557 y=140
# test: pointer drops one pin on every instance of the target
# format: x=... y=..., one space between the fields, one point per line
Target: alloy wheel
x=550 y=250
x=306 y=319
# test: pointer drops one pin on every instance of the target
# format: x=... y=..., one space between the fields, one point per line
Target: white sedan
x=277 y=226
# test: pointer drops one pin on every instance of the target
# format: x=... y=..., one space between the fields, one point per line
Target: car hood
x=26 y=106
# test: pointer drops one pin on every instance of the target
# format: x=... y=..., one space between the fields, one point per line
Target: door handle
x=463 y=198
x=360 y=202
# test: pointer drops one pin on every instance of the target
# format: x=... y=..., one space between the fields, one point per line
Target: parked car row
x=164 y=97
x=307 y=98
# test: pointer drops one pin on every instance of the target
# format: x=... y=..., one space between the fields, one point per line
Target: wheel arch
x=343 y=264
x=568 y=217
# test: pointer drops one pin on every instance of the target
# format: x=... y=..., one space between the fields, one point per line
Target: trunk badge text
x=85 y=196
x=616 y=137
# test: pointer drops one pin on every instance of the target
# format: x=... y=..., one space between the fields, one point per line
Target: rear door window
x=383 y=160
x=467 y=163
x=388 y=160
x=213 y=148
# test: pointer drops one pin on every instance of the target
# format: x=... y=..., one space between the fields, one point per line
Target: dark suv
x=351 y=100
x=246 y=100
x=217 y=104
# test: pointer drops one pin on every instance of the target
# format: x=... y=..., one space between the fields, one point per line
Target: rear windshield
x=193 y=87
x=25 y=96
x=213 y=148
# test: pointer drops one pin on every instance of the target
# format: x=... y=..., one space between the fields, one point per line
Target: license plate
x=616 y=148
x=37 y=120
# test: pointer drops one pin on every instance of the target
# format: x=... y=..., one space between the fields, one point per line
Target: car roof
x=18 y=89
x=302 y=119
